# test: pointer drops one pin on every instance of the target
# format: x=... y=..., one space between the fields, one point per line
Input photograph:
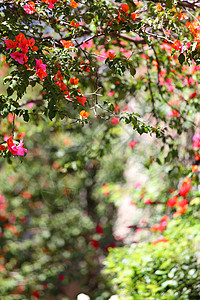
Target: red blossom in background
x=182 y=203
x=106 y=189
x=61 y=277
x=50 y=2
x=132 y=144
x=2 y=148
x=172 y=201
x=196 y=141
x=94 y=244
x=36 y=294
x=113 y=245
x=114 y=120
x=99 y=229
x=174 y=113
x=148 y=201
x=184 y=190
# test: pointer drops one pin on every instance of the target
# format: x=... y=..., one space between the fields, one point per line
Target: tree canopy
x=89 y=89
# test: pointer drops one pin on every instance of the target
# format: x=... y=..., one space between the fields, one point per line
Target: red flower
x=106 y=189
x=67 y=44
x=36 y=294
x=2 y=148
x=124 y=7
x=74 y=81
x=114 y=120
x=185 y=188
x=74 y=4
x=16 y=149
x=134 y=16
x=174 y=113
x=148 y=201
x=172 y=201
x=113 y=245
x=164 y=219
x=82 y=100
x=110 y=55
x=74 y=24
x=182 y=203
x=177 y=45
x=94 y=244
x=99 y=229
x=61 y=277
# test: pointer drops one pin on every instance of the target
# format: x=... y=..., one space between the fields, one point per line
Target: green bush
x=167 y=270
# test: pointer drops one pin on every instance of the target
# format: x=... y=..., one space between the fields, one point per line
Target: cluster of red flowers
x=162 y=226
x=195 y=30
x=22 y=44
x=50 y=2
x=59 y=81
x=40 y=69
x=125 y=9
x=181 y=204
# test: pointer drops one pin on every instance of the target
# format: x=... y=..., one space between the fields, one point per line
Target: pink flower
x=132 y=144
x=21 y=58
x=111 y=93
x=30 y=104
x=174 y=113
x=196 y=139
x=41 y=69
x=138 y=185
x=16 y=149
x=184 y=189
x=87 y=45
x=29 y=8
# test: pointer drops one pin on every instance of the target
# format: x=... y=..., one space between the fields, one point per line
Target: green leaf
x=52 y=114
x=132 y=69
x=181 y=58
x=26 y=116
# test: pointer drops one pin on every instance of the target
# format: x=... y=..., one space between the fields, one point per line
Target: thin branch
x=90 y=38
